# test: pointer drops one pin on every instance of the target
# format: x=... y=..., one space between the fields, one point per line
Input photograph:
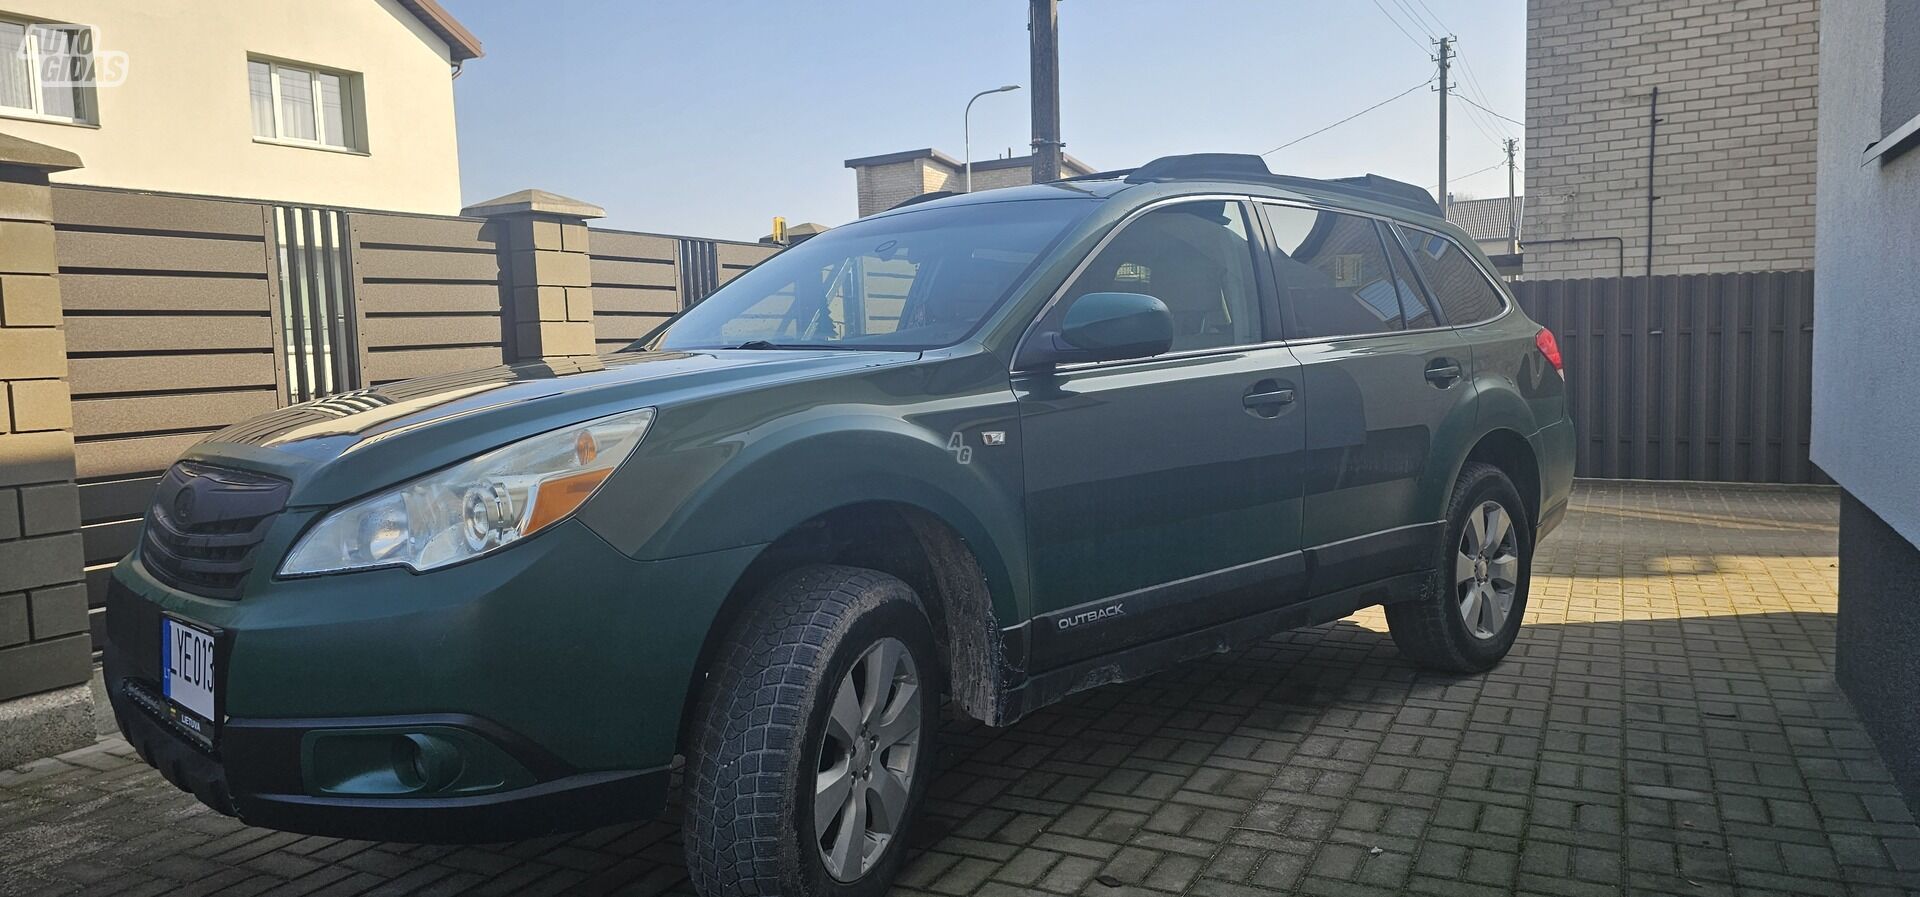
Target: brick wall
x=884 y=186
x=995 y=178
x=43 y=605
x=886 y=181
x=1734 y=169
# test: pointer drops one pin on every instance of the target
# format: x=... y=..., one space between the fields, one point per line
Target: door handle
x=1267 y=398
x=1443 y=371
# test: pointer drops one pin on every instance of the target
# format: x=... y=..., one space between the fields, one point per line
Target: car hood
x=347 y=445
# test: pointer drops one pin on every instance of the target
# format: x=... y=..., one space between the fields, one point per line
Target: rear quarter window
x=1465 y=294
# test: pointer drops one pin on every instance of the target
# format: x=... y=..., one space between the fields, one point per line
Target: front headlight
x=473 y=507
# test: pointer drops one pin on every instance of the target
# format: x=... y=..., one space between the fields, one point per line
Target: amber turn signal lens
x=560 y=495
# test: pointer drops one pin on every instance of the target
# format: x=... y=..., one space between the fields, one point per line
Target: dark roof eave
x=925 y=152
x=461 y=44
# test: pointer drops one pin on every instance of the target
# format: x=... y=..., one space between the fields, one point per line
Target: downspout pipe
x=1653 y=134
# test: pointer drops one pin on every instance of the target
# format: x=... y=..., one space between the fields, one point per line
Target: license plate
x=188 y=674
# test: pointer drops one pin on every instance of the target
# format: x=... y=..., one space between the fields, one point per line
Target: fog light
x=424 y=761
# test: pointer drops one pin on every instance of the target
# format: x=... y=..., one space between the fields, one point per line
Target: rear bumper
x=254 y=774
x=1554 y=451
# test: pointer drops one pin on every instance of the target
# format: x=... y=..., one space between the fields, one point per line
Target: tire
x=1454 y=625
x=772 y=727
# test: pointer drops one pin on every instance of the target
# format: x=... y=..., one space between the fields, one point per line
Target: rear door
x=1163 y=494
x=1381 y=377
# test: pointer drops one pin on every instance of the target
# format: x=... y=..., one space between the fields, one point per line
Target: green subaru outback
x=987 y=450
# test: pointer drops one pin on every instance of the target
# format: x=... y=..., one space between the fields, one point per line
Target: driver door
x=1163 y=494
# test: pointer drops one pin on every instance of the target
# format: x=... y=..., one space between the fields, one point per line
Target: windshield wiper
x=764 y=344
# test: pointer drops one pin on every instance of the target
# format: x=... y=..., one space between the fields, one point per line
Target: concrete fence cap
x=534 y=202
x=26 y=153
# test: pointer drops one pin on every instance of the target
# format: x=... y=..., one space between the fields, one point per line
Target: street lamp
x=966 y=131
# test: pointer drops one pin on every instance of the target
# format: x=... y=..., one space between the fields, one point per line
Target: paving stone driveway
x=1668 y=724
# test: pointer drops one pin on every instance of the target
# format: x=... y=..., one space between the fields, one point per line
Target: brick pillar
x=545 y=272
x=46 y=656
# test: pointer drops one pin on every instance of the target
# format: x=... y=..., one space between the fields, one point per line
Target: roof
x=461 y=43
x=1067 y=163
x=1482 y=219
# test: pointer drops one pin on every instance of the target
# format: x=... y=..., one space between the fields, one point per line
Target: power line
x=1493 y=113
x=1500 y=164
x=1475 y=113
x=1396 y=24
x=1442 y=26
x=1348 y=118
x=1413 y=17
x=1480 y=123
x=1479 y=90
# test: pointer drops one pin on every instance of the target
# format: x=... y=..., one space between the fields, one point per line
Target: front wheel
x=1469 y=610
x=814 y=740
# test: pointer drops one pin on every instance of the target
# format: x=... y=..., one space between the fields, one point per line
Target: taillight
x=1550 y=347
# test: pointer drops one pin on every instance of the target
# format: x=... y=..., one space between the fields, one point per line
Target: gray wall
x=1866 y=421
x=1866 y=425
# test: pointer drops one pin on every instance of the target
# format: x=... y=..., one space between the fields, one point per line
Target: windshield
x=917 y=280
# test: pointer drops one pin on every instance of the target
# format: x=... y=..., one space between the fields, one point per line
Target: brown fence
x=186 y=314
x=170 y=335
x=636 y=284
x=1694 y=377
x=427 y=291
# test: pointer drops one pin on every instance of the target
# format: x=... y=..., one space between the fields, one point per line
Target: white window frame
x=36 y=68
x=350 y=100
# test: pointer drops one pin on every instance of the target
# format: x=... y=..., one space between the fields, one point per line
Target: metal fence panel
x=1687 y=377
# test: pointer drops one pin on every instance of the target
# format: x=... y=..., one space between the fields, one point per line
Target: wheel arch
x=1514 y=455
x=904 y=540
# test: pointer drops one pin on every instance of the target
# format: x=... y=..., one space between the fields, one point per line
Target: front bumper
x=254 y=775
x=560 y=665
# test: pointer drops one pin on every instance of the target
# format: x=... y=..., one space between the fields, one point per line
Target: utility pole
x=1043 y=27
x=1513 y=214
x=1446 y=63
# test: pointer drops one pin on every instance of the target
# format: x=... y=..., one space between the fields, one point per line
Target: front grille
x=205 y=523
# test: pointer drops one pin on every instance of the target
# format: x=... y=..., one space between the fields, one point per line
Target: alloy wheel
x=867 y=761
x=1487 y=569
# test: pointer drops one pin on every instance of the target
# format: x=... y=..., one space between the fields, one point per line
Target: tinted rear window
x=1465 y=294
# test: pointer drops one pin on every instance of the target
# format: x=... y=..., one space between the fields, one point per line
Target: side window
x=1414 y=301
x=1466 y=295
x=1333 y=273
x=1196 y=258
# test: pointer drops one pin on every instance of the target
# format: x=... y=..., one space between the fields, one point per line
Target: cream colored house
x=340 y=103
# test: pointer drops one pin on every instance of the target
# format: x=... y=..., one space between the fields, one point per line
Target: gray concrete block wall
x=1734 y=166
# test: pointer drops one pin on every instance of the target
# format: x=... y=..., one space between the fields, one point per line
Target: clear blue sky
x=709 y=118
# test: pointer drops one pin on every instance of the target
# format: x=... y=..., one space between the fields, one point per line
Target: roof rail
x=924 y=197
x=1249 y=167
x=1193 y=166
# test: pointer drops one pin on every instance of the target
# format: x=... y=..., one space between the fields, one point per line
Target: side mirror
x=1108 y=327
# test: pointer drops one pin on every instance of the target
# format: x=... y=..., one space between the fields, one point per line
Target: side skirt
x=1152 y=657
